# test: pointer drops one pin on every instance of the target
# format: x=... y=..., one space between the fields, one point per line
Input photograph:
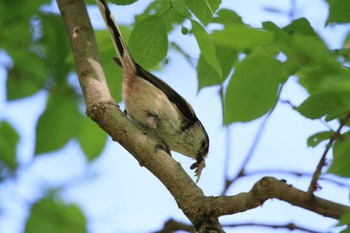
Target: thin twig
x=227 y=154
x=294 y=107
x=293 y=10
x=313 y=184
x=289 y=226
x=288 y=102
x=172 y=225
x=295 y=173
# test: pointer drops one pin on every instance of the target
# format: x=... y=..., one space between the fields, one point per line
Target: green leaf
x=227 y=16
x=341 y=159
x=49 y=215
x=148 y=41
x=173 y=15
x=26 y=77
x=13 y=25
x=56 y=47
x=338 y=11
x=184 y=30
x=334 y=81
x=318 y=105
x=203 y=9
x=314 y=48
x=345 y=220
x=123 y=2
x=240 y=36
x=300 y=26
x=303 y=48
x=346 y=230
x=280 y=35
x=311 y=75
x=252 y=90
x=319 y=137
x=41 y=61
x=58 y=124
x=8 y=145
x=92 y=138
x=207 y=76
x=206 y=46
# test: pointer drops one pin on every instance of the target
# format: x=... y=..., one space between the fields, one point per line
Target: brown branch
x=201 y=210
x=269 y=188
x=313 y=184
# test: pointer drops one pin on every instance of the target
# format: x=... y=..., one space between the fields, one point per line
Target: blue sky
x=117 y=195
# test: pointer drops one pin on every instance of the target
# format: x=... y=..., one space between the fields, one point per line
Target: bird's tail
x=117 y=38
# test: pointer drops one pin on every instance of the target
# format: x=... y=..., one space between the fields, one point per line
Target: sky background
x=117 y=195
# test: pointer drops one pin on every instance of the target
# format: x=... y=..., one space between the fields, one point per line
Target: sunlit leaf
x=253 y=88
x=240 y=36
x=206 y=46
x=227 y=16
x=148 y=41
x=123 y=2
x=203 y=9
x=207 y=76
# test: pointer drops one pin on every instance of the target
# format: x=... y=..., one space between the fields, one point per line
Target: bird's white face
x=192 y=142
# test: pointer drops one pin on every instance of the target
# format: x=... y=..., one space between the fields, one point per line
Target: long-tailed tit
x=153 y=104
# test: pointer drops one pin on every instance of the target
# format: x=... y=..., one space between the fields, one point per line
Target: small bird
x=153 y=104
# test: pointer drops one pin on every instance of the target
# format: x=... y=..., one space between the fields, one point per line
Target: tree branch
x=202 y=211
x=322 y=162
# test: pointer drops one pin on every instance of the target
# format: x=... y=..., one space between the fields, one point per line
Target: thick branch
x=268 y=188
x=87 y=62
x=202 y=211
x=101 y=108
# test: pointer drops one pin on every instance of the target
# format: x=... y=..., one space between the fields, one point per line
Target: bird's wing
x=120 y=46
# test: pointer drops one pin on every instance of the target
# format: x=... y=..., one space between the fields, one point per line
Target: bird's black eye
x=204 y=144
